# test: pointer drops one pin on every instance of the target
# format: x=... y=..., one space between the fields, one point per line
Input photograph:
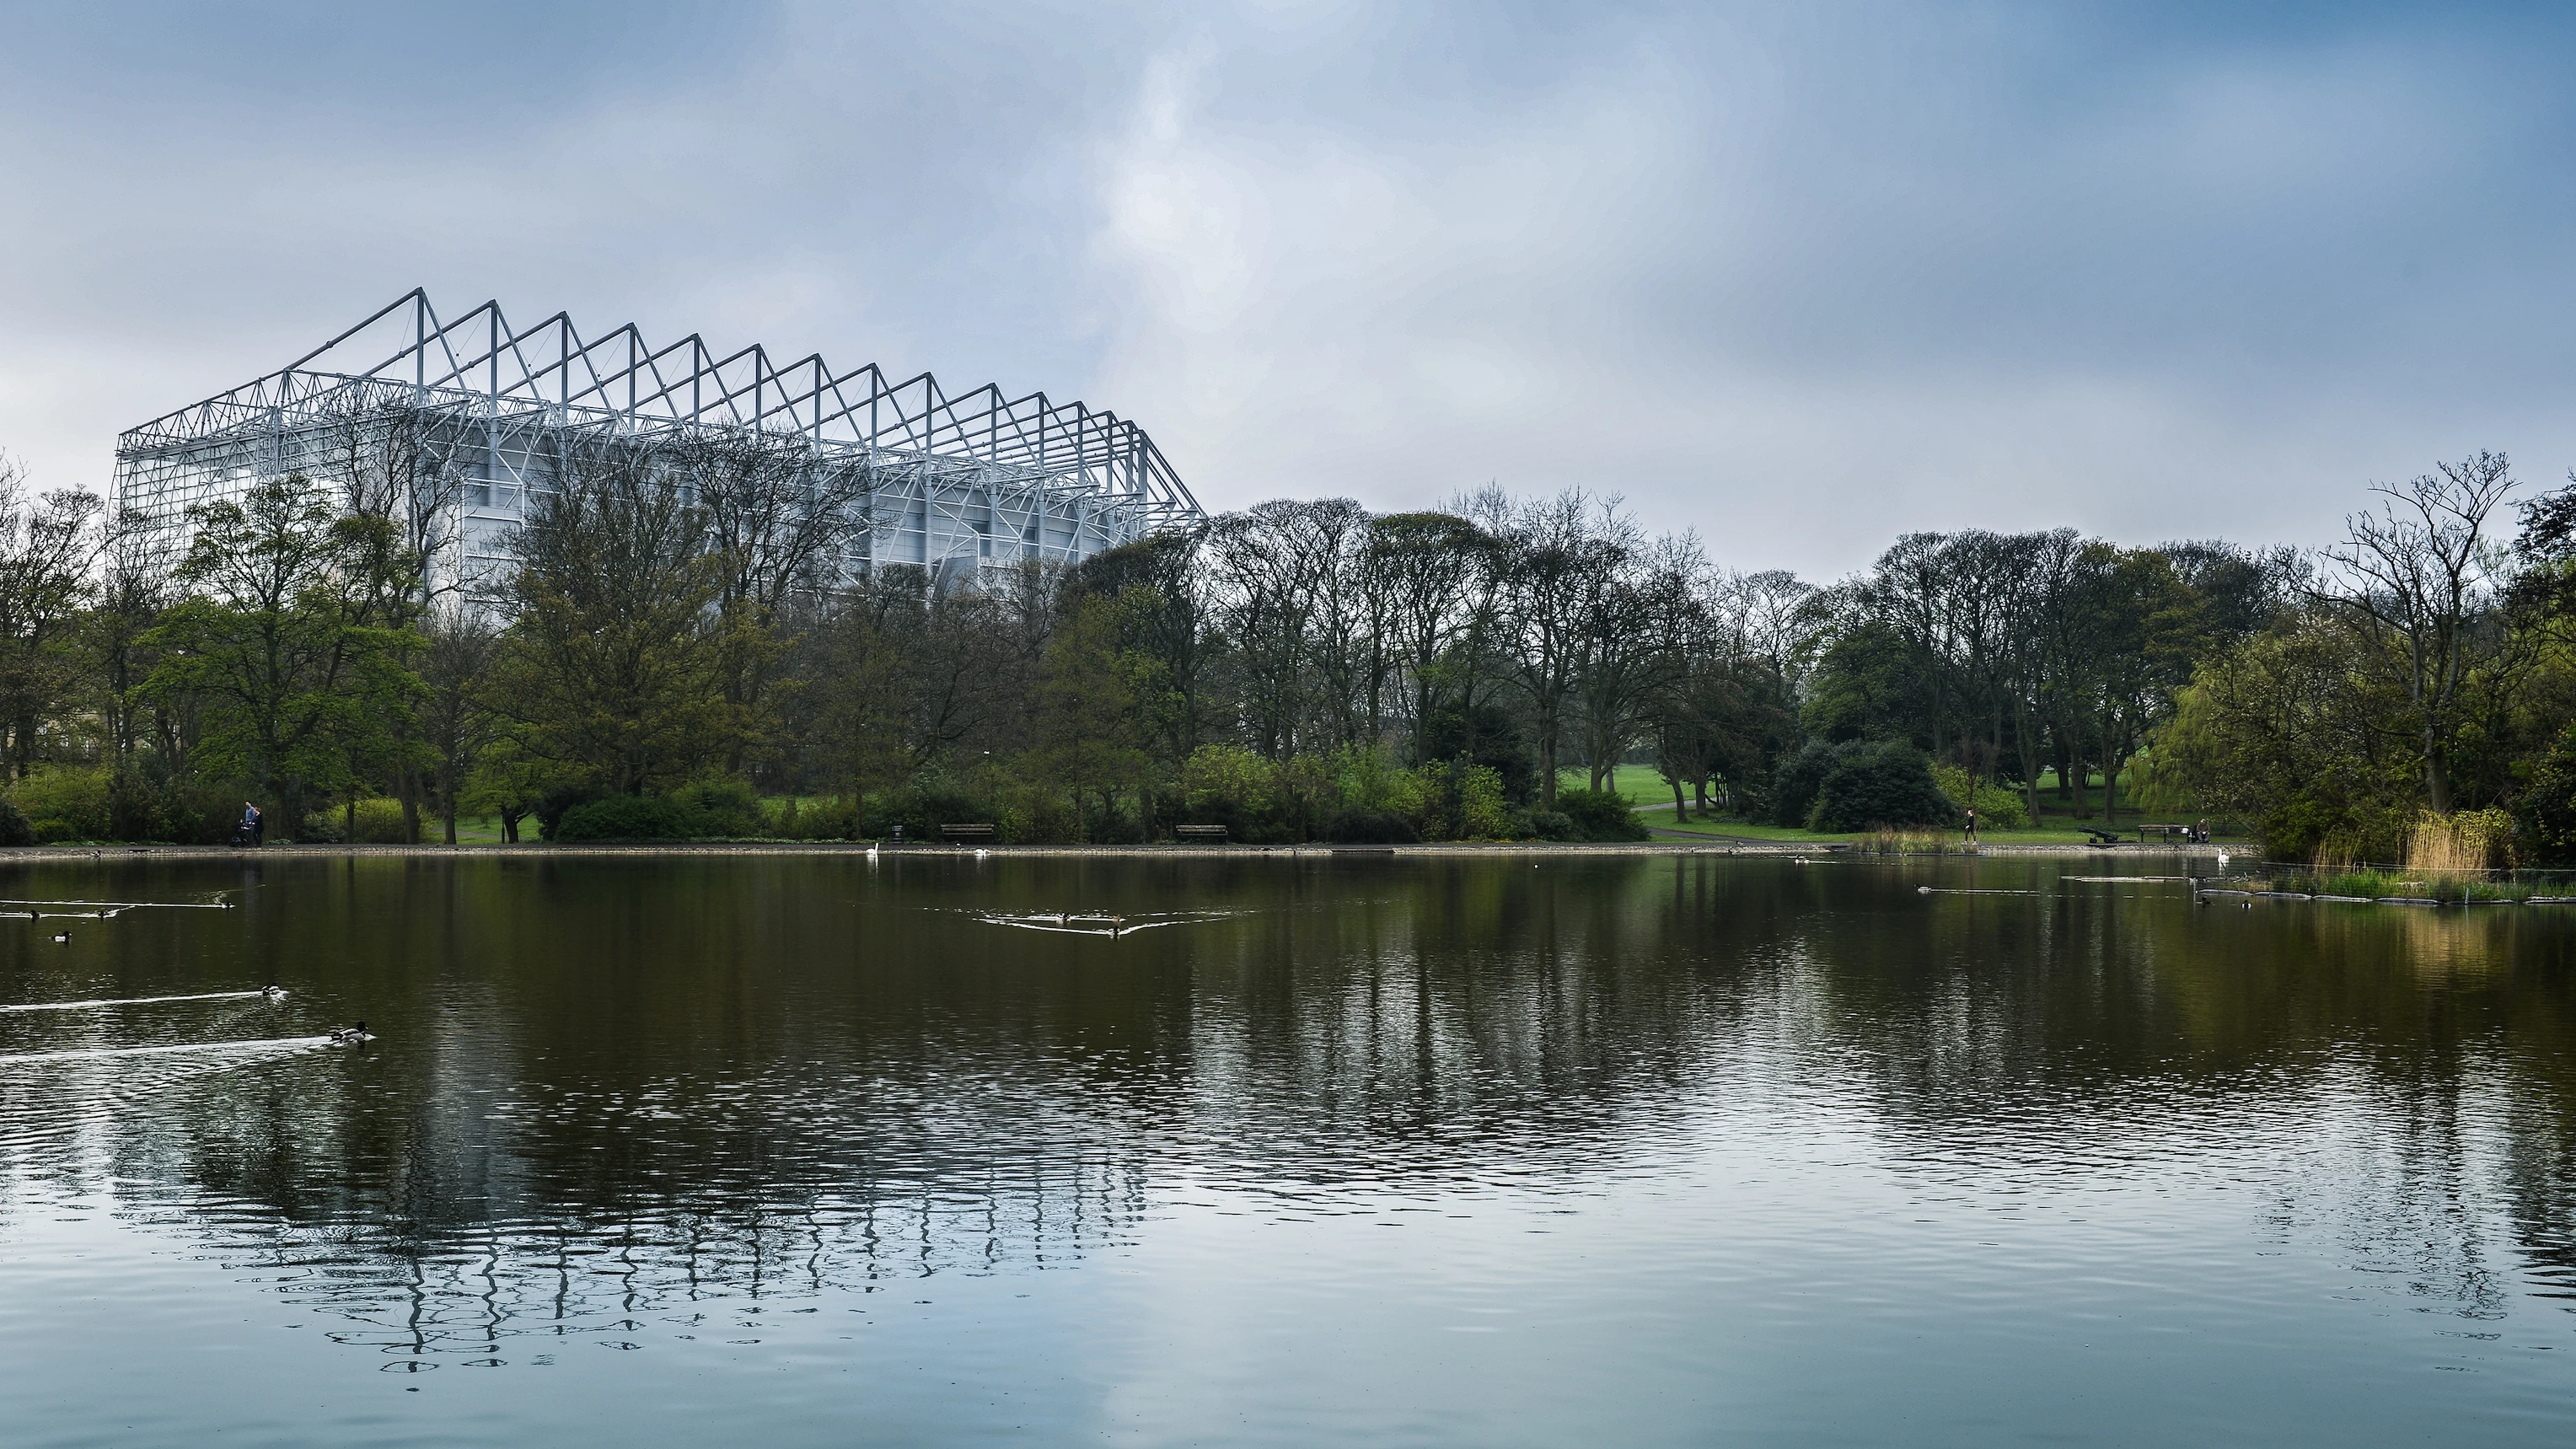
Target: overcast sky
x=1800 y=277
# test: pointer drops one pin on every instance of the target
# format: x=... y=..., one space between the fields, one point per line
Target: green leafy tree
x=615 y=667
x=292 y=670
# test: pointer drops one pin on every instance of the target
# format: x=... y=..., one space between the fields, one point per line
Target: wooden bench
x=960 y=833
x=2169 y=832
x=1212 y=834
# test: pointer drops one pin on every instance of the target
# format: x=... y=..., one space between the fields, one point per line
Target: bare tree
x=1431 y=567
x=456 y=720
x=1633 y=638
x=133 y=588
x=47 y=547
x=780 y=516
x=1561 y=556
x=2420 y=579
x=403 y=468
x=1268 y=565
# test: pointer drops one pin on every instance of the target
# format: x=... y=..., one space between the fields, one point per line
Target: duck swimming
x=273 y=991
x=351 y=1035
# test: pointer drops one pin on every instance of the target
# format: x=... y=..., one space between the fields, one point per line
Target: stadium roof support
x=951 y=476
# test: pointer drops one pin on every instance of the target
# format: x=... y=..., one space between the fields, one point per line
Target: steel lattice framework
x=948 y=481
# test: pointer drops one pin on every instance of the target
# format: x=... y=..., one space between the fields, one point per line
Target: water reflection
x=681 y=1098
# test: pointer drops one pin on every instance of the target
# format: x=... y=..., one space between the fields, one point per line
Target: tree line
x=674 y=643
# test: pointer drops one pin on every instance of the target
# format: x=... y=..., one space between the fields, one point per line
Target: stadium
x=470 y=417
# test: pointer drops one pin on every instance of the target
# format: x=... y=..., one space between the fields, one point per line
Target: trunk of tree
x=2027 y=745
x=1681 y=807
x=2057 y=749
x=408 y=782
x=2437 y=780
x=2110 y=777
x=510 y=826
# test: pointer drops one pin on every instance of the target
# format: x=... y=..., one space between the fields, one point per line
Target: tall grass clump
x=2466 y=842
x=1886 y=840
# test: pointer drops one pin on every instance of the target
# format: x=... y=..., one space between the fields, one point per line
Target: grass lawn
x=1645 y=790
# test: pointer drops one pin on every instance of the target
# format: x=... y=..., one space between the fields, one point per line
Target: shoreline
x=33 y=854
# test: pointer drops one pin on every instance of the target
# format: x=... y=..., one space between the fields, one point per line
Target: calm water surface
x=1632 y=1151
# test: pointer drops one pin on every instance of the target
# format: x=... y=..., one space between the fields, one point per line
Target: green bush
x=64 y=802
x=932 y=801
x=2544 y=809
x=1370 y=827
x=200 y=812
x=13 y=826
x=628 y=817
x=1801 y=775
x=1885 y=784
x=1231 y=786
x=379 y=822
x=557 y=801
x=135 y=810
x=1997 y=807
x=724 y=808
x=1553 y=825
x=1600 y=814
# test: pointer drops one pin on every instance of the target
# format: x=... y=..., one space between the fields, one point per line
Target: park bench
x=1212 y=834
x=2169 y=832
x=959 y=834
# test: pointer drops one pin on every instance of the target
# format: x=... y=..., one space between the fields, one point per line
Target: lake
x=1368 y=1150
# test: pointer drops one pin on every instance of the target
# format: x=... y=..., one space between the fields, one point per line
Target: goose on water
x=351 y=1035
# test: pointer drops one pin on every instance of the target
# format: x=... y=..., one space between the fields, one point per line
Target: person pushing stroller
x=249 y=831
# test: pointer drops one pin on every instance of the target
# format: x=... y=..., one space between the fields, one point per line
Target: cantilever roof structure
x=952 y=480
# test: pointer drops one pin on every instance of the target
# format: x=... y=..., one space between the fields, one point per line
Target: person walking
x=1972 y=827
x=251 y=823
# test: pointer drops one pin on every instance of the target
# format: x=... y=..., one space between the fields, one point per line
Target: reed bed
x=1884 y=841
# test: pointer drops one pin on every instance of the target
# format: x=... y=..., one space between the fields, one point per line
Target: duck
x=273 y=991
x=351 y=1035
x=62 y=938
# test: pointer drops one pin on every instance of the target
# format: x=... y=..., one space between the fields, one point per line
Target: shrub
x=722 y=807
x=2545 y=808
x=1793 y=789
x=1553 y=825
x=135 y=810
x=1230 y=786
x=1997 y=807
x=1885 y=784
x=13 y=826
x=559 y=800
x=928 y=803
x=628 y=817
x=1600 y=815
x=202 y=812
x=64 y=802
x=379 y=822
x=1483 y=813
x=1370 y=827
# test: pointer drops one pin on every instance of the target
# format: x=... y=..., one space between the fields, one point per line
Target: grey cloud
x=1796 y=277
